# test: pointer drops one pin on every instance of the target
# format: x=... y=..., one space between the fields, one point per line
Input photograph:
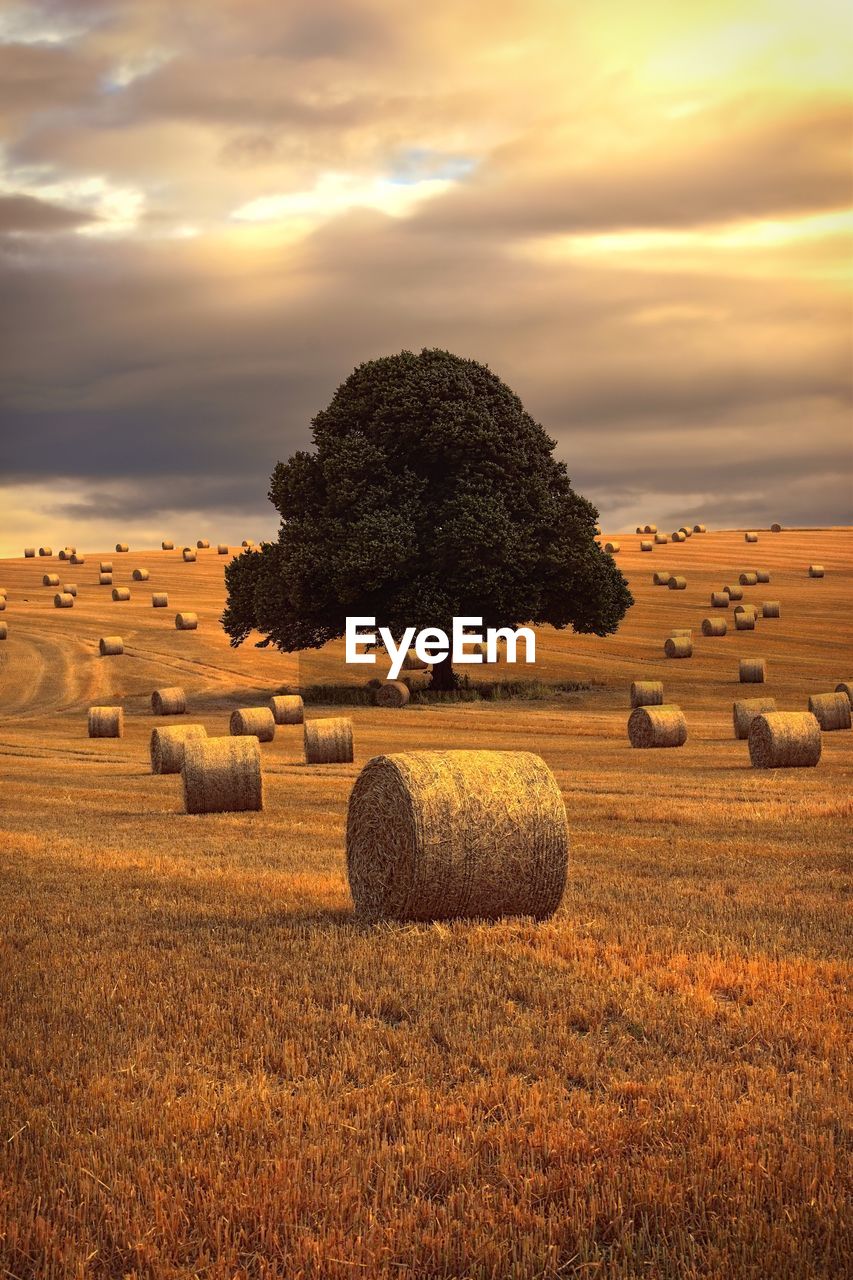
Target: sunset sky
x=638 y=215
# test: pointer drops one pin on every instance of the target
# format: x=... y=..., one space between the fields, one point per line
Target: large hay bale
x=733 y=591
x=122 y=547
x=140 y=575
x=846 y=687
x=751 y=536
x=50 y=580
x=63 y=600
x=167 y=545
x=699 y=528
x=287 y=708
x=167 y=746
x=110 y=646
x=159 y=600
x=752 y=670
x=253 y=722
x=714 y=627
x=189 y=555
x=203 y=544
x=328 y=741
x=762 y=575
x=106 y=722
x=121 y=593
x=75 y=559
x=647 y=546
x=222 y=549
x=612 y=547
x=45 y=551
x=661 y=577
x=771 y=609
x=748 y=579
x=661 y=726
x=392 y=693
x=647 y=693
x=775 y=528
x=169 y=702
x=816 y=570
x=677 y=583
x=446 y=834
x=105 y=579
x=720 y=599
x=784 y=740
x=744 y=712
x=831 y=710
x=186 y=621
x=30 y=553
x=70 y=588
x=678 y=647
x=745 y=621
x=661 y=538
x=222 y=775
x=4 y=631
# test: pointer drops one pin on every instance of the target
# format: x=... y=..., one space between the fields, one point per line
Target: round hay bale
x=746 y=608
x=639 y=529
x=647 y=546
x=748 y=579
x=611 y=547
x=647 y=693
x=714 y=627
x=247 y=542
x=751 y=536
x=70 y=588
x=50 y=580
x=411 y=662
x=202 y=544
x=682 y=631
x=75 y=559
x=733 y=591
x=121 y=593
x=661 y=538
x=784 y=740
x=169 y=702
x=816 y=570
x=287 y=708
x=189 y=555
x=106 y=566
x=105 y=579
x=253 y=722
x=753 y=670
x=106 y=722
x=166 y=545
x=661 y=726
x=678 y=647
x=745 y=621
x=393 y=693
x=762 y=575
x=650 y=528
x=186 y=621
x=167 y=746
x=328 y=741
x=140 y=575
x=677 y=583
x=110 y=646
x=771 y=609
x=678 y=536
x=846 y=687
x=29 y=553
x=63 y=600
x=719 y=599
x=45 y=551
x=222 y=775
x=159 y=600
x=222 y=549
x=64 y=553
x=699 y=528
x=775 y=528
x=4 y=631
x=121 y=547
x=831 y=710
x=437 y=835
x=661 y=577
x=744 y=712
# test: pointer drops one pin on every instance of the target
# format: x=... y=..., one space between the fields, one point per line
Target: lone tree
x=431 y=494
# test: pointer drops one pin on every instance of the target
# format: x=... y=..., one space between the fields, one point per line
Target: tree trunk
x=444 y=678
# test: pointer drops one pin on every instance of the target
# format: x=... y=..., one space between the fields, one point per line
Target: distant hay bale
x=647 y=693
x=771 y=609
x=50 y=580
x=775 y=528
x=678 y=536
x=4 y=631
x=753 y=670
x=846 y=687
x=661 y=577
x=202 y=544
x=746 y=608
x=287 y=708
x=447 y=834
x=159 y=600
x=744 y=712
x=831 y=710
x=70 y=588
x=611 y=547
x=661 y=538
x=784 y=740
x=678 y=647
x=222 y=549
x=106 y=722
x=64 y=553
x=720 y=599
x=169 y=702
x=639 y=529
x=816 y=571
x=677 y=583
x=122 y=546
x=647 y=546
x=392 y=693
x=733 y=591
x=106 y=566
x=650 y=528
x=75 y=559
x=762 y=575
x=714 y=627
x=63 y=600
x=189 y=555
x=29 y=553
x=167 y=545
x=121 y=593
x=411 y=662
x=247 y=542
x=699 y=528
x=748 y=579
x=661 y=726
x=105 y=579
x=140 y=575
x=222 y=775
x=745 y=621
x=110 y=646
x=186 y=621
x=751 y=536
x=167 y=746
x=254 y=722
x=45 y=551
x=328 y=741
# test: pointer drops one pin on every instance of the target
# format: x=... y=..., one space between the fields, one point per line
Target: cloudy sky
x=210 y=210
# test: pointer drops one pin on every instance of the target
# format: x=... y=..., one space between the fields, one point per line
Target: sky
x=638 y=215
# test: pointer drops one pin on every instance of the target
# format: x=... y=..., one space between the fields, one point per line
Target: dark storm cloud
x=26 y=214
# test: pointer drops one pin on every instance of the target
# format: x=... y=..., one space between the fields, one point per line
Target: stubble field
x=210 y=1068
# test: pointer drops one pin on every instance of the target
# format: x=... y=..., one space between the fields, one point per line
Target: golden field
x=211 y=1069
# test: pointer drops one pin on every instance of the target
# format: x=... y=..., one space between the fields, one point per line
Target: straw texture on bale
x=106 y=566
x=122 y=546
x=775 y=528
x=189 y=555
x=748 y=579
x=771 y=609
x=750 y=537
x=647 y=693
x=612 y=547
x=784 y=740
x=45 y=551
x=816 y=571
x=140 y=575
x=70 y=588
x=105 y=579
x=222 y=549
x=437 y=835
x=745 y=621
x=699 y=528
x=50 y=580
x=169 y=702
x=167 y=545
x=650 y=528
x=110 y=646
x=662 y=726
x=678 y=647
x=106 y=722
x=762 y=575
x=682 y=631
x=661 y=577
x=831 y=710
x=328 y=741
x=845 y=687
x=647 y=546
x=255 y=722
x=121 y=593
x=4 y=631
x=661 y=538
x=287 y=708
x=75 y=559
x=29 y=553
x=753 y=670
x=714 y=627
x=719 y=599
x=733 y=591
x=677 y=583
x=202 y=544
x=186 y=621
x=167 y=746
x=744 y=712
x=63 y=600
x=222 y=775
x=159 y=600
x=392 y=693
